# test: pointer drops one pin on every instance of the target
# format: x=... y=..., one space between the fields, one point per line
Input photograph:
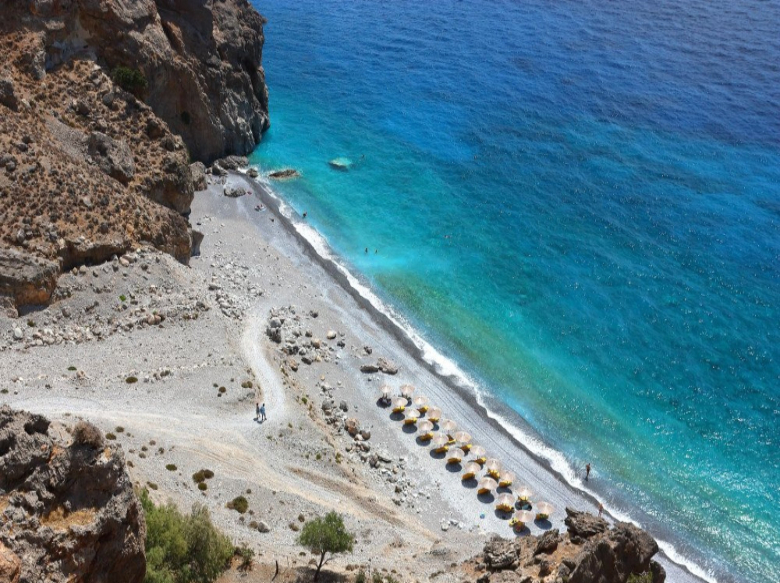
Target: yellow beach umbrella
x=519 y=519
x=544 y=510
x=471 y=470
x=420 y=403
x=505 y=502
x=463 y=439
x=399 y=404
x=448 y=426
x=434 y=414
x=505 y=479
x=406 y=391
x=479 y=453
x=425 y=429
x=440 y=442
x=455 y=455
x=493 y=467
x=524 y=494
x=486 y=485
x=411 y=416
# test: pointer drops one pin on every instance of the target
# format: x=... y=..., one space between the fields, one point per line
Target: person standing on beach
x=587 y=472
x=601 y=509
x=257 y=411
x=262 y=413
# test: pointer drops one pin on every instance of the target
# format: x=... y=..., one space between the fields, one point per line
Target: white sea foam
x=447 y=367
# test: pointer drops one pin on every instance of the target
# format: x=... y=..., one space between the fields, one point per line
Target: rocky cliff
x=68 y=512
x=590 y=552
x=103 y=105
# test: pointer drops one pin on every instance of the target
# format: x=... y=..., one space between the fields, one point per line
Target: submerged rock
x=342 y=164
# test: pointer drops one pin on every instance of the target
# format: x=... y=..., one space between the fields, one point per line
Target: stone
x=82 y=490
x=343 y=406
x=233 y=191
x=331 y=334
x=328 y=405
x=252 y=173
x=584 y=524
x=112 y=156
x=284 y=174
x=365 y=434
x=8 y=94
x=547 y=542
x=369 y=368
x=233 y=162
x=499 y=553
x=25 y=279
x=352 y=426
x=10 y=565
x=198 y=171
x=387 y=366
x=262 y=526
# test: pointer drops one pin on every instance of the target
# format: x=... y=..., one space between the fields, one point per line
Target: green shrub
x=110 y=436
x=119 y=429
x=198 y=477
x=239 y=504
x=131 y=80
x=202 y=486
x=643 y=578
x=131 y=380
x=122 y=298
x=222 y=389
x=72 y=368
x=208 y=474
x=171 y=467
x=183 y=548
x=325 y=535
x=247 y=557
x=360 y=577
x=246 y=384
x=152 y=485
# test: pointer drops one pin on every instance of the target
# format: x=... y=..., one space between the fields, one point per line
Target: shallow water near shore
x=580 y=206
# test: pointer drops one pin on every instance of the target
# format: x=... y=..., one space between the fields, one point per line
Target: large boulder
x=584 y=524
x=69 y=512
x=499 y=553
x=112 y=156
x=25 y=279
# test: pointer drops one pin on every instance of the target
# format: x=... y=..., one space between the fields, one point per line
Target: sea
x=577 y=205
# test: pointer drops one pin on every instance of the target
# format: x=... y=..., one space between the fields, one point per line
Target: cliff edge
x=103 y=105
x=67 y=507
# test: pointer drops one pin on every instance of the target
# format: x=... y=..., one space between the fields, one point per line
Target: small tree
x=326 y=535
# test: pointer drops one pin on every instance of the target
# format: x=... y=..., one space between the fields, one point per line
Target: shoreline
x=454 y=381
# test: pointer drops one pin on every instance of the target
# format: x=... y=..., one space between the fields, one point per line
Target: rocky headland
x=103 y=105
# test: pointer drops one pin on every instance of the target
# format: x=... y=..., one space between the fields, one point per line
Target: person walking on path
x=262 y=413
x=257 y=411
x=587 y=472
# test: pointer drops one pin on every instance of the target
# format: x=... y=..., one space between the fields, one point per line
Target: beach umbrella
x=411 y=416
x=463 y=439
x=425 y=429
x=520 y=517
x=493 y=467
x=434 y=414
x=505 y=502
x=544 y=510
x=439 y=442
x=471 y=470
x=448 y=426
x=524 y=494
x=420 y=403
x=406 y=391
x=479 y=453
x=399 y=404
x=385 y=392
x=506 y=478
x=455 y=455
x=486 y=485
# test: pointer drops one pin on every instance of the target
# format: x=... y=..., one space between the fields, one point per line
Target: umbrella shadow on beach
x=423 y=442
x=454 y=468
x=525 y=531
x=471 y=483
x=409 y=429
x=396 y=416
x=503 y=490
x=486 y=498
x=438 y=455
x=502 y=514
x=544 y=524
x=380 y=402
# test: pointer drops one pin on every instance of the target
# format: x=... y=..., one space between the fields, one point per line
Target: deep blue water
x=578 y=202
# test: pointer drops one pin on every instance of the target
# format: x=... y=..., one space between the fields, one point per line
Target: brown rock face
x=25 y=279
x=69 y=512
x=202 y=60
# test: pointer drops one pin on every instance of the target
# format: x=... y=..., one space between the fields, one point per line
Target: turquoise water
x=580 y=205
